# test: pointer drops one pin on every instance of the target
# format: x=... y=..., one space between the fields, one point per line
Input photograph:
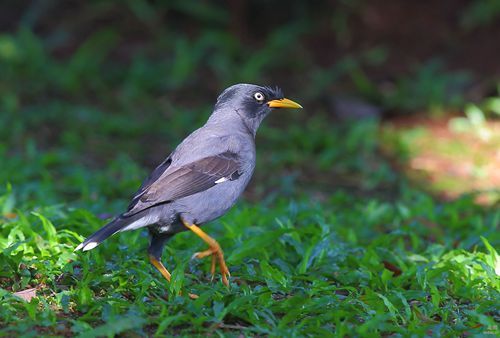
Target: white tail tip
x=90 y=246
x=87 y=247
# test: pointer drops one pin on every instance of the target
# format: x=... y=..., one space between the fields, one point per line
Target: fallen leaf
x=391 y=267
x=27 y=294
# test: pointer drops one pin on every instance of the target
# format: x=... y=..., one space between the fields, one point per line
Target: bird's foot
x=160 y=267
x=214 y=250
x=217 y=256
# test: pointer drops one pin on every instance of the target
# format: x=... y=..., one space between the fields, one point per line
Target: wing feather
x=192 y=178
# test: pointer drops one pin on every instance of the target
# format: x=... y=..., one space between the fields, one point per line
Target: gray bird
x=202 y=178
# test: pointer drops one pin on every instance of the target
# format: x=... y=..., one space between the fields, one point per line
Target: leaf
x=49 y=228
x=273 y=274
x=27 y=294
x=393 y=268
x=392 y=309
x=165 y=323
x=493 y=104
x=177 y=279
x=494 y=258
x=115 y=326
x=256 y=244
x=7 y=202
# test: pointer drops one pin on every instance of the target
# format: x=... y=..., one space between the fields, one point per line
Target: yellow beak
x=283 y=103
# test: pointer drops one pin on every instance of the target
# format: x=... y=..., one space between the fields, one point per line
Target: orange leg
x=160 y=267
x=214 y=250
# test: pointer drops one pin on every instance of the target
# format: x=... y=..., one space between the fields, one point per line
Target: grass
x=299 y=267
x=329 y=239
x=338 y=264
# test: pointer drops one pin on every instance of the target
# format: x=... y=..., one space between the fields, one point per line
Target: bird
x=201 y=179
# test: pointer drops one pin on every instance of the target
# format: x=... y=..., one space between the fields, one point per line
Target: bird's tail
x=109 y=229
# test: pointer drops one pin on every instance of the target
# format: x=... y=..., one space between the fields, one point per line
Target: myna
x=202 y=178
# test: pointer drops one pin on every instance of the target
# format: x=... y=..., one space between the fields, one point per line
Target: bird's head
x=250 y=103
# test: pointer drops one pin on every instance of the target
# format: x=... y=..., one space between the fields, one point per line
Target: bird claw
x=203 y=254
x=217 y=255
x=225 y=275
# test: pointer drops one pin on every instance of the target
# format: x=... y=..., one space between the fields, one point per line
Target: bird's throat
x=250 y=125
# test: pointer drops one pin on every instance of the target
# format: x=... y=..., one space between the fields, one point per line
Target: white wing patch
x=220 y=180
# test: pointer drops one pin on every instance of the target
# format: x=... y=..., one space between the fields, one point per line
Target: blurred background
x=394 y=92
x=373 y=211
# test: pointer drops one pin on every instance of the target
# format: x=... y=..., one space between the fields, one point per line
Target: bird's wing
x=153 y=177
x=189 y=179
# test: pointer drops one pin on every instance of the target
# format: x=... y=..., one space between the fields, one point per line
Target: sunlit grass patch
x=447 y=161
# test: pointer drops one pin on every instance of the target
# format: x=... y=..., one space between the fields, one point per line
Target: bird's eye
x=259 y=96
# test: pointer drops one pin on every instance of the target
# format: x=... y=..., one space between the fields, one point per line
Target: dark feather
x=274 y=93
x=186 y=180
x=109 y=229
x=159 y=170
